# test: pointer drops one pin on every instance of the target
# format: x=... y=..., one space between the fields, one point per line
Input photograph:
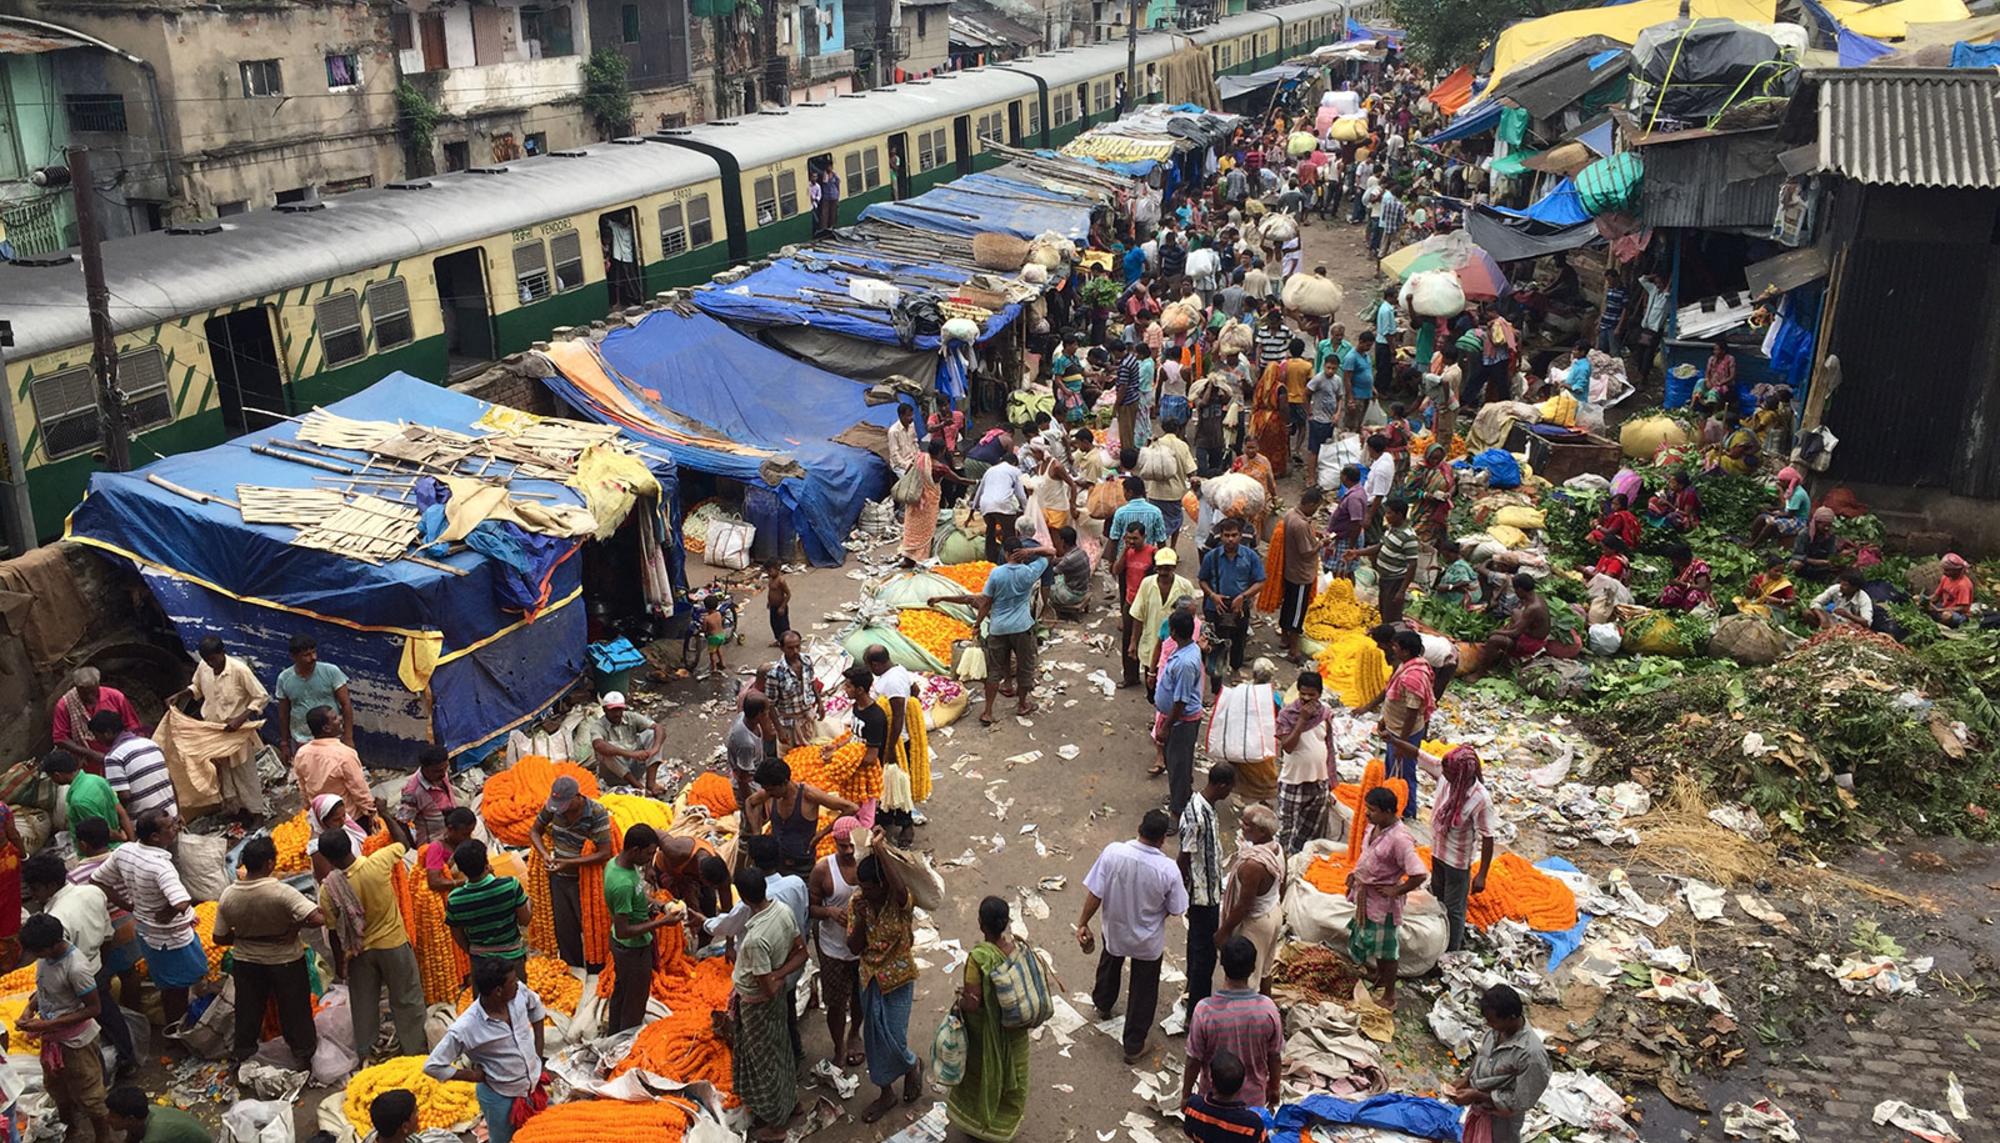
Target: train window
x=701 y=231
x=864 y=170
x=142 y=374
x=1064 y=110
x=932 y=150
x=567 y=250
x=673 y=238
x=389 y=313
x=788 y=193
x=765 y=192
x=1100 y=97
x=339 y=319
x=66 y=409
x=1034 y=117
x=531 y=271
x=992 y=127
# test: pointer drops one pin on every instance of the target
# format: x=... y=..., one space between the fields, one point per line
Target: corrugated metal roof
x=1712 y=181
x=1910 y=126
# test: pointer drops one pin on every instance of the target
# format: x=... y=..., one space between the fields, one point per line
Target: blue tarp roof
x=773 y=296
x=695 y=369
x=215 y=574
x=1357 y=30
x=1476 y=119
x=1134 y=170
x=987 y=201
x=1562 y=206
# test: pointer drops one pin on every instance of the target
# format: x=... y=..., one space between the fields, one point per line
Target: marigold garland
x=19 y=1043
x=841 y=774
x=712 y=791
x=1515 y=890
x=596 y=915
x=290 y=836
x=662 y=1120
x=551 y=979
x=684 y=1047
x=20 y=980
x=670 y=962
x=628 y=810
x=440 y=961
x=1335 y=610
x=1272 y=595
x=970 y=575
x=440 y=1104
x=511 y=799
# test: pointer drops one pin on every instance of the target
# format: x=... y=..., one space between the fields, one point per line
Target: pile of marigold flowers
x=663 y=1120
x=934 y=631
x=1335 y=610
x=971 y=575
x=628 y=810
x=511 y=799
x=440 y=1105
x=712 y=792
x=551 y=979
x=684 y=1047
x=290 y=836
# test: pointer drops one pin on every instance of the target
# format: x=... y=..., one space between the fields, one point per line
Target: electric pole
x=1132 y=14
x=97 y=296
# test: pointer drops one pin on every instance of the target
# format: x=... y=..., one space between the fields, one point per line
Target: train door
x=468 y=324
x=1014 y=124
x=1083 y=104
x=618 y=233
x=899 y=164
x=961 y=141
x=248 y=377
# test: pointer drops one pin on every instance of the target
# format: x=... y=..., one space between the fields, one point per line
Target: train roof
x=763 y=137
x=161 y=275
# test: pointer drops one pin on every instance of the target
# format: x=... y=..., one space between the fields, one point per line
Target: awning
x=1514 y=164
x=1476 y=119
x=1514 y=239
x=1237 y=86
x=18 y=40
x=1529 y=39
x=1453 y=92
x=1892 y=21
x=1562 y=206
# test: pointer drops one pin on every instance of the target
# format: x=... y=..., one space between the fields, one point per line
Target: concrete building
x=923 y=43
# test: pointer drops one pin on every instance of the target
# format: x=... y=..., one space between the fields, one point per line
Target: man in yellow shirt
x=1298 y=371
x=371 y=948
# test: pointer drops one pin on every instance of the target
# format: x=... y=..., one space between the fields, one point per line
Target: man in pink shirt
x=326 y=765
x=70 y=725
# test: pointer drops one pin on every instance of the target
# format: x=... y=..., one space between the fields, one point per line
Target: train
x=225 y=325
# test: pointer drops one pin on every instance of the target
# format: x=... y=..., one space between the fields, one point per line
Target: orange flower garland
x=596 y=915
x=842 y=774
x=440 y=961
x=663 y=1120
x=684 y=1046
x=1515 y=890
x=934 y=631
x=1272 y=594
x=552 y=981
x=512 y=798
x=713 y=791
x=290 y=836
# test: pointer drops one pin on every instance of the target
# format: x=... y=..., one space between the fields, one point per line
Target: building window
x=547 y=32
x=923 y=22
x=339 y=319
x=535 y=143
x=764 y=192
x=531 y=271
x=225 y=209
x=457 y=156
x=401 y=31
x=701 y=231
x=260 y=78
x=629 y=18
x=788 y=193
x=95 y=111
x=673 y=233
x=343 y=71
x=567 y=250
x=389 y=313
x=295 y=194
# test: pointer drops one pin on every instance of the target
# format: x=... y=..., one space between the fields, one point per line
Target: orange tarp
x=1454 y=92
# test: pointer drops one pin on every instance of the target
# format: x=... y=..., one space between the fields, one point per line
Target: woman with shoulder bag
x=991 y=1099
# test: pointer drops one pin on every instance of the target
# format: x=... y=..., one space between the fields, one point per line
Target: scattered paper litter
x=1954 y=1098
x=1069 y=751
x=1926 y=1125
x=1102 y=682
x=1054 y=882
x=1703 y=900
x=1761 y=1120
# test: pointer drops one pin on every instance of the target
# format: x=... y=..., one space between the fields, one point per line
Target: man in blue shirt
x=1134 y=264
x=1230 y=577
x=1385 y=332
x=1358 y=366
x=1177 y=696
x=1010 y=626
x=1136 y=510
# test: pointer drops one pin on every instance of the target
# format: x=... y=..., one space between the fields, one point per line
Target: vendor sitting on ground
x=1689 y=587
x=1737 y=454
x=1615 y=563
x=1620 y=521
x=1678 y=507
x=1526 y=634
x=1950 y=602
x=1846 y=602
x=1455 y=579
x=1813 y=551
x=1791 y=514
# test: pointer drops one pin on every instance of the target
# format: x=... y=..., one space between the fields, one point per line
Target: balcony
x=827 y=65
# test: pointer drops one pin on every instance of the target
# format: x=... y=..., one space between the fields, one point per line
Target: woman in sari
x=920 y=516
x=989 y=1101
x=1268 y=426
x=1433 y=484
x=1678 y=506
x=1689 y=587
x=329 y=813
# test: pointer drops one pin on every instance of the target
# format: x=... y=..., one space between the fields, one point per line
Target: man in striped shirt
x=1395 y=558
x=566 y=824
x=135 y=768
x=1274 y=341
x=1239 y=1020
x=140 y=878
x=487 y=914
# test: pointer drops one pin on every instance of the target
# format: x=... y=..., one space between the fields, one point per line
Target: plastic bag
x=1312 y=294
x=1522 y=517
x=909 y=487
x=1234 y=494
x=257 y=1121
x=948 y=1051
x=1500 y=467
x=1642 y=438
x=1655 y=633
x=955 y=545
x=1433 y=293
x=202 y=860
x=1604 y=639
x=1105 y=499
x=1245 y=724
x=961 y=329
x=729 y=544
x=1349 y=129
x=1301 y=143
x=334 y=1060
x=919 y=876
x=1335 y=455
x=902 y=651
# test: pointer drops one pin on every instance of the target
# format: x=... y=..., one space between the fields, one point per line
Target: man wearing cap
x=561 y=830
x=1155 y=600
x=621 y=745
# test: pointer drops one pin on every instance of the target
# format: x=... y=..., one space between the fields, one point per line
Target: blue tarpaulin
x=1562 y=206
x=988 y=201
x=682 y=381
x=246 y=583
x=1409 y=1114
x=1975 y=55
x=785 y=293
x=1476 y=119
x=1133 y=170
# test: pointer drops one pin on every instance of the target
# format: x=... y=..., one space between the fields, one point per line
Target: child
x=62 y=1013
x=1456 y=581
x=777 y=600
x=394 y=1114
x=711 y=626
x=1219 y=1116
x=1387 y=873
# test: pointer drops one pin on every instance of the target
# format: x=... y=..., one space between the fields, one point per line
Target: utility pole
x=1132 y=13
x=885 y=42
x=97 y=296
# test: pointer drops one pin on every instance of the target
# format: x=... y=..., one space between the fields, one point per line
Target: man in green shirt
x=487 y=914
x=90 y=796
x=634 y=916
x=135 y=1117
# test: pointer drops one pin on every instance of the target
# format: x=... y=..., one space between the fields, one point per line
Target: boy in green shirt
x=140 y=1121
x=90 y=796
x=634 y=916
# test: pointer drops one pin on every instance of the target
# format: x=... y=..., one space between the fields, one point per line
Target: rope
x=1668 y=78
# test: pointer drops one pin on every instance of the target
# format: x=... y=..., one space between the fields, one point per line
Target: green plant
x=606 y=98
x=416 y=116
